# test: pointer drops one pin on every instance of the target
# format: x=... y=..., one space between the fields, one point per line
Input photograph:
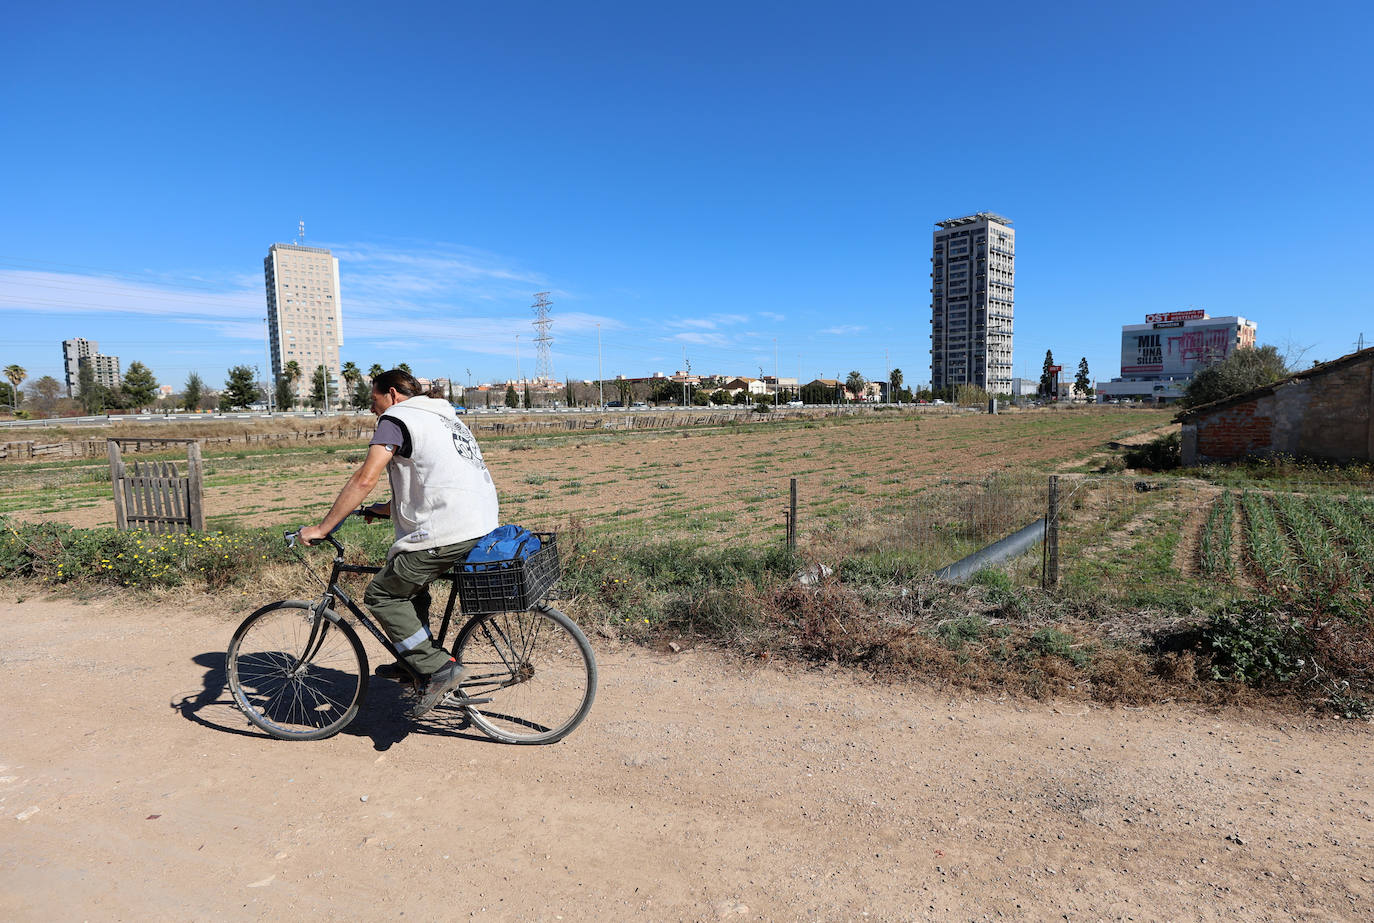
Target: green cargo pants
x=399 y=598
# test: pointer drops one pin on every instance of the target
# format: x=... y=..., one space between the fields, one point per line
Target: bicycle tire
x=277 y=691
x=534 y=668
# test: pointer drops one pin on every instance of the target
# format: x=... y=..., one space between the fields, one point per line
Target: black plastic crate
x=510 y=586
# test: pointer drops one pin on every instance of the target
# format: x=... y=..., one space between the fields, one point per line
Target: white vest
x=441 y=491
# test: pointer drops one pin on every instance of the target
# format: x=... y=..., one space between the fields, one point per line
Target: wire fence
x=1100 y=530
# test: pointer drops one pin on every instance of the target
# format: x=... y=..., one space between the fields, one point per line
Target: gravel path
x=699 y=789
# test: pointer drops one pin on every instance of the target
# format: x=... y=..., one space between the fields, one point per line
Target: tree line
x=138 y=390
x=1242 y=370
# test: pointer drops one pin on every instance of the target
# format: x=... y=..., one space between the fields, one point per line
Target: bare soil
x=700 y=788
x=717 y=481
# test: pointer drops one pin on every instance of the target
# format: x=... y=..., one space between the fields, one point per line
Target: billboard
x=1195 y=314
x=1175 y=352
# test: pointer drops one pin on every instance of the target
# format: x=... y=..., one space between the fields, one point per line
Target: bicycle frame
x=334 y=594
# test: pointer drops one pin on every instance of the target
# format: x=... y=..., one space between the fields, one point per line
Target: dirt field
x=708 y=481
x=699 y=789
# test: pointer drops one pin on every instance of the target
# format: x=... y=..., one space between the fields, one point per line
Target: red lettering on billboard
x=1206 y=346
x=1175 y=315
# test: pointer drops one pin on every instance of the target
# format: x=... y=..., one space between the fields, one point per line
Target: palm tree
x=856 y=384
x=376 y=370
x=351 y=376
x=15 y=374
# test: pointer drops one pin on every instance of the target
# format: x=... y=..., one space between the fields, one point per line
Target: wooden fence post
x=1049 y=571
x=792 y=518
x=195 y=507
x=117 y=484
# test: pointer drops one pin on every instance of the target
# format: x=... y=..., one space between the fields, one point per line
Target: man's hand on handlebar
x=309 y=535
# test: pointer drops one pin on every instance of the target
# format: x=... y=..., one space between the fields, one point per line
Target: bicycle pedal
x=463 y=701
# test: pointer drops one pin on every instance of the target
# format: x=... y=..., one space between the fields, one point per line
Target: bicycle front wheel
x=296 y=675
x=534 y=668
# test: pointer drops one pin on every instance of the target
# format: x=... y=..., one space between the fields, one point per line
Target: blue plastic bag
x=501 y=547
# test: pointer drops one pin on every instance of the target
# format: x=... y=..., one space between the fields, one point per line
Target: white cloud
x=229 y=310
x=419 y=277
x=709 y=322
x=843 y=330
x=773 y=316
x=703 y=339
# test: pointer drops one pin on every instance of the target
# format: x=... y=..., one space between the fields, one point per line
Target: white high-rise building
x=304 y=313
x=79 y=351
x=972 y=285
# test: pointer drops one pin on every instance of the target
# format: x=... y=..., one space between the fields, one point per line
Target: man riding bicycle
x=442 y=501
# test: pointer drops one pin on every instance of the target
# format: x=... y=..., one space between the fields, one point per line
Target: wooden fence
x=153 y=496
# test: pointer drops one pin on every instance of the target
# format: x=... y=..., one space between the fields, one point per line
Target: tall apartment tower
x=972 y=284
x=304 y=313
x=78 y=351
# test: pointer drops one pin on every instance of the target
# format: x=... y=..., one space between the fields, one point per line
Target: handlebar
x=368 y=514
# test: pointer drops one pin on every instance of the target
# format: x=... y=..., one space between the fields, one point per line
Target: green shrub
x=716 y=612
x=1052 y=642
x=1162 y=454
x=884 y=566
x=672 y=577
x=1243 y=370
x=955 y=633
x=1001 y=591
x=1252 y=645
x=62 y=554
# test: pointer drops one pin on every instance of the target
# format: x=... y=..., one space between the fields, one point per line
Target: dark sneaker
x=394 y=671
x=441 y=683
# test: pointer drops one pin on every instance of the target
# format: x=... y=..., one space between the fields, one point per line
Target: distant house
x=822 y=391
x=752 y=385
x=1324 y=412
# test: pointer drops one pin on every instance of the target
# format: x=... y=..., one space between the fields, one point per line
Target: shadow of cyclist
x=382 y=716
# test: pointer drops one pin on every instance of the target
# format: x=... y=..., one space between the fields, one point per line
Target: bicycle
x=298 y=670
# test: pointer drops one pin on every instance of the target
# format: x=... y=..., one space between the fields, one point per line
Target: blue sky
x=738 y=181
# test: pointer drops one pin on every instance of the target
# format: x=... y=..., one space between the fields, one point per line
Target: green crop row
x=1266 y=546
x=1216 y=538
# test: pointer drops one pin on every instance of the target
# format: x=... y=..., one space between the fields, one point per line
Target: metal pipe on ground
x=1001 y=550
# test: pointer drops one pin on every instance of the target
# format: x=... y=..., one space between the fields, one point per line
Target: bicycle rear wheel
x=296 y=675
x=535 y=668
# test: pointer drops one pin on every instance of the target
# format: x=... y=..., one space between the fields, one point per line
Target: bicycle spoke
x=499 y=646
x=294 y=676
x=534 y=670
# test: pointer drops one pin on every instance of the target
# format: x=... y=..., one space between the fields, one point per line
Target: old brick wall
x=1236 y=431
x=1329 y=415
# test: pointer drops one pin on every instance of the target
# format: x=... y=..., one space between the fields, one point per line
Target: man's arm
x=381 y=510
x=359 y=485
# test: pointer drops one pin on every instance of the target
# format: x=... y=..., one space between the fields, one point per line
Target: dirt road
x=699 y=789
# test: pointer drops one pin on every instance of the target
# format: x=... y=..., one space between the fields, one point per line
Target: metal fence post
x=1049 y=571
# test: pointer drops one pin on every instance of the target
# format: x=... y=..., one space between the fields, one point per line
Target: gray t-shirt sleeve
x=388 y=433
